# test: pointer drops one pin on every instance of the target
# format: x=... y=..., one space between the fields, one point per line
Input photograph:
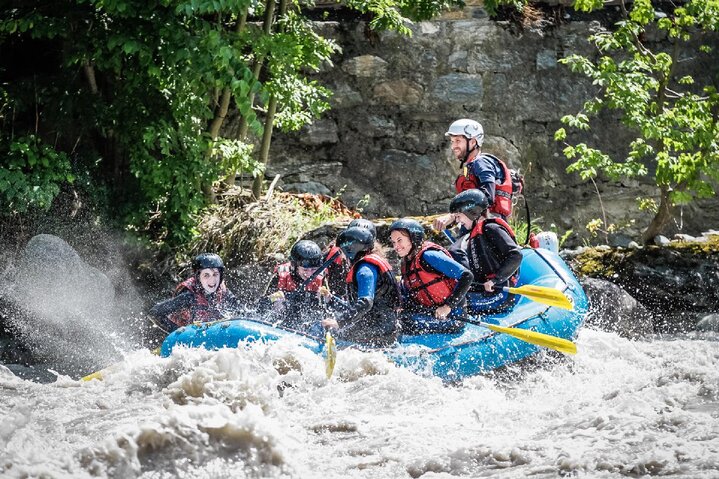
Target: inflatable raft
x=474 y=350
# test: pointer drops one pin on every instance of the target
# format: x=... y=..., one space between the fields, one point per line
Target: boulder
x=613 y=309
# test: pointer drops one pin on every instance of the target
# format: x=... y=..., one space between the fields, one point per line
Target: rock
x=51 y=276
x=661 y=240
x=684 y=237
x=320 y=132
x=613 y=309
x=620 y=240
x=60 y=309
x=312 y=187
x=366 y=66
x=709 y=323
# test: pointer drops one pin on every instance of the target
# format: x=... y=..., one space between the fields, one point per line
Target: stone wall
x=394 y=98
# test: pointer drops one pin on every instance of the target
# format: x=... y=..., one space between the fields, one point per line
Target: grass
x=242 y=230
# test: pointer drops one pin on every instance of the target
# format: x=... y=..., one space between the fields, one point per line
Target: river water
x=618 y=408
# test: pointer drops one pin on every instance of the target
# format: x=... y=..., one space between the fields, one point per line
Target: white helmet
x=467 y=128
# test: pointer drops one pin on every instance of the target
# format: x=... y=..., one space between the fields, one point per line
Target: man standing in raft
x=481 y=171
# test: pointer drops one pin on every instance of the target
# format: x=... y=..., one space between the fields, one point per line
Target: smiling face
x=459 y=145
x=401 y=242
x=210 y=279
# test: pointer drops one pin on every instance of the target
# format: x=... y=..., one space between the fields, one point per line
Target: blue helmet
x=413 y=228
x=355 y=240
x=307 y=254
x=470 y=202
x=363 y=223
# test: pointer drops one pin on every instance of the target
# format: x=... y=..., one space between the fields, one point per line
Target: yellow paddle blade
x=330 y=354
x=95 y=375
x=544 y=295
x=101 y=373
x=533 y=337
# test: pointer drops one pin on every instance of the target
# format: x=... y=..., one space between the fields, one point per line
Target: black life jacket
x=484 y=258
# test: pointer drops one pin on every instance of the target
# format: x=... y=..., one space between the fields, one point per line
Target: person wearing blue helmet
x=370 y=317
x=492 y=251
x=433 y=284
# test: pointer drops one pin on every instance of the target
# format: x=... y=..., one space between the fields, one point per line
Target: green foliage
x=31 y=175
x=235 y=157
x=136 y=86
x=675 y=121
x=492 y=6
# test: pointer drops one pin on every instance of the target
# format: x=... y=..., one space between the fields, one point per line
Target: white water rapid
x=618 y=408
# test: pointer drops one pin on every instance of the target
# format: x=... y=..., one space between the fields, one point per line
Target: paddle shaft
x=319 y=271
x=532 y=337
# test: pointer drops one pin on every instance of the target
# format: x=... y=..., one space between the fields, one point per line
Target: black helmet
x=208 y=260
x=470 y=202
x=412 y=227
x=355 y=240
x=306 y=254
x=366 y=224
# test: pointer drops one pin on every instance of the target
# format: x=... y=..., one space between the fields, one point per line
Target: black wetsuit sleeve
x=506 y=248
x=460 y=290
x=161 y=311
x=489 y=190
x=355 y=312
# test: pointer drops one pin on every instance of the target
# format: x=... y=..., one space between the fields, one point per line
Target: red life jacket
x=331 y=252
x=429 y=288
x=387 y=291
x=478 y=230
x=202 y=311
x=288 y=283
x=502 y=191
x=371 y=258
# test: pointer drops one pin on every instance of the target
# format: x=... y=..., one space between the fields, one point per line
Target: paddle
x=541 y=294
x=533 y=337
x=319 y=270
x=101 y=373
x=330 y=354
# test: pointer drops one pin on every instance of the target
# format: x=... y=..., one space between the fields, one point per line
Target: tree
x=675 y=122
x=138 y=92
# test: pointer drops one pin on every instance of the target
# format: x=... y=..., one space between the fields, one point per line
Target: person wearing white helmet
x=480 y=170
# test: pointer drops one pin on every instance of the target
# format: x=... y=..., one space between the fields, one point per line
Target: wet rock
x=52 y=274
x=613 y=309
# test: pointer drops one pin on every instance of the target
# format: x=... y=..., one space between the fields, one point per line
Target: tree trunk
x=267 y=29
x=661 y=218
x=267 y=133
x=265 y=147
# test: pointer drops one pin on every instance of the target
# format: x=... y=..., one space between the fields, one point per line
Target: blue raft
x=472 y=351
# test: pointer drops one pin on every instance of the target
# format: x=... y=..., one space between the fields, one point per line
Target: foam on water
x=618 y=408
